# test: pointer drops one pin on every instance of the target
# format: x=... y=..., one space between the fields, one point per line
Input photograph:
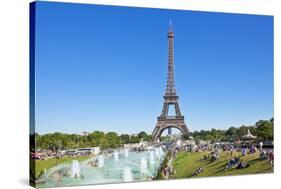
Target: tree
x=149 y=138
x=217 y=134
x=125 y=138
x=96 y=138
x=112 y=140
x=186 y=136
x=243 y=130
x=272 y=125
x=231 y=133
x=134 y=139
x=272 y=121
x=38 y=140
x=142 y=135
x=264 y=130
x=253 y=130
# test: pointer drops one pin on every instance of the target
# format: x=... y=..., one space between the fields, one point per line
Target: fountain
x=157 y=154
x=143 y=165
x=100 y=161
x=161 y=151
x=75 y=169
x=127 y=174
x=151 y=158
x=126 y=152
x=138 y=166
x=116 y=156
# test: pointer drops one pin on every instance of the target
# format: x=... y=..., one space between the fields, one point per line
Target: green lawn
x=40 y=165
x=187 y=163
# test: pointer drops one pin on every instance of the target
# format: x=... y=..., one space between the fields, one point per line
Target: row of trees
x=61 y=141
x=263 y=129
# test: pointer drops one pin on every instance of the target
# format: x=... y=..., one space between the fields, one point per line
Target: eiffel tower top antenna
x=170 y=26
x=170 y=87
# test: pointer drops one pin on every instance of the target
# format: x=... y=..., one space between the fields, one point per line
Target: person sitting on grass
x=214 y=156
x=242 y=165
x=232 y=162
x=237 y=159
x=263 y=155
x=205 y=157
x=198 y=171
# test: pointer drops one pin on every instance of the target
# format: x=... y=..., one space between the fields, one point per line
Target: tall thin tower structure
x=165 y=121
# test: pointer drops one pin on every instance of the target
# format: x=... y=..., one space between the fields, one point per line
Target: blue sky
x=104 y=67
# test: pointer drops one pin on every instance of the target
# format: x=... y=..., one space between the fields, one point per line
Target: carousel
x=248 y=138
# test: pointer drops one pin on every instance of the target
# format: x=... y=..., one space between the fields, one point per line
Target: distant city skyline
x=104 y=68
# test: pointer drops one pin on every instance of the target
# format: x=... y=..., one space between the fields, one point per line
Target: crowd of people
x=234 y=160
x=234 y=154
x=267 y=155
x=169 y=170
x=42 y=154
x=264 y=154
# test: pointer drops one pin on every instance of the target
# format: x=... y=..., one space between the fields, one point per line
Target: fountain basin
x=108 y=169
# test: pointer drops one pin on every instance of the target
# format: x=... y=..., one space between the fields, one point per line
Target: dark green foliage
x=143 y=135
x=263 y=129
x=60 y=141
x=125 y=138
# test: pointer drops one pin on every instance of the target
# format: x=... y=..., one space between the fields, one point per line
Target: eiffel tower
x=164 y=121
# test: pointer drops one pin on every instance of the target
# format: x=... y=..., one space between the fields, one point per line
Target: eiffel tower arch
x=165 y=121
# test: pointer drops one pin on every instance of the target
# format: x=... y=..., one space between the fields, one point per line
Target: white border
x=14 y=91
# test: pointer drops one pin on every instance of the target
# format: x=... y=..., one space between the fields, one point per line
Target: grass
x=187 y=163
x=40 y=165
